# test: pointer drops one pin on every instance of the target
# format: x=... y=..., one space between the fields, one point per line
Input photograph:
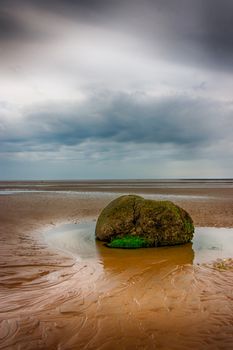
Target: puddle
x=211 y=243
x=208 y=245
x=78 y=239
x=99 y=194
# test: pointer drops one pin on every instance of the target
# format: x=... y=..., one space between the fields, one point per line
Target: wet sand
x=51 y=299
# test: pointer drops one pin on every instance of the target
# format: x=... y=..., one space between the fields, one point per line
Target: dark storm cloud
x=122 y=118
x=10 y=26
x=15 y=28
x=66 y=8
x=70 y=69
x=193 y=31
x=219 y=29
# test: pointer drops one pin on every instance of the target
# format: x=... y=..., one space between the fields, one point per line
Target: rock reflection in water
x=209 y=244
x=154 y=259
x=146 y=298
x=79 y=239
x=103 y=298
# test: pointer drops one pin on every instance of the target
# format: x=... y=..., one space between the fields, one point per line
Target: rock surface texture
x=134 y=222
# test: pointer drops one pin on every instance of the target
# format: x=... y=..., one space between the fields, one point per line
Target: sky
x=120 y=89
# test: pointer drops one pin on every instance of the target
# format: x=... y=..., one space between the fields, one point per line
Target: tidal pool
x=94 y=297
x=209 y=244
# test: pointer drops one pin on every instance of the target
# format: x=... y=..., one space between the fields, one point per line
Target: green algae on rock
x=134 y=222
x=128 y=242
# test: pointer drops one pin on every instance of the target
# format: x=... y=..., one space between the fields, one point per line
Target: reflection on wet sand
x=87 y=296
x=120 y=260
x=147 y=298
x=80 y=241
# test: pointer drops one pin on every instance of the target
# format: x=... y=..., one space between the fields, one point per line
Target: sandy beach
x=52 y=299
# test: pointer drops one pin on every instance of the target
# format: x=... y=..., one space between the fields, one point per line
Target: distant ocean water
x=115 y=184
x=153 y=189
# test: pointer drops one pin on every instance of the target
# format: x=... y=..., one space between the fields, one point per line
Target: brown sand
x=51 y=300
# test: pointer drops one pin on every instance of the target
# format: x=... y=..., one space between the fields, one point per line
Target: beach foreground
x=52 y=299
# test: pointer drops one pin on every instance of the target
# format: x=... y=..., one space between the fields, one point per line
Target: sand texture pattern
x=50 y=299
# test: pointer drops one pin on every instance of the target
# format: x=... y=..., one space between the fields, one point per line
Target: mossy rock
x=134 y=222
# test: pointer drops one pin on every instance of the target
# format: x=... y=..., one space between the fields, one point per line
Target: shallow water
x=60 y=289
x=99 y=194
x=154 y=298
x=208 y=245
x=83 y=295
x=118 y=184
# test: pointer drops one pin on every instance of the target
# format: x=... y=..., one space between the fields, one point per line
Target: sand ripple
x=52 y=300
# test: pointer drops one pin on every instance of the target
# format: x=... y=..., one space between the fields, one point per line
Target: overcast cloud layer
x=116 y=89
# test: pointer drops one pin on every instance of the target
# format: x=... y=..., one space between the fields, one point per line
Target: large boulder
x=133 y=222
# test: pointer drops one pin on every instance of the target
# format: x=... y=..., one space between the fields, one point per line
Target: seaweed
x=129 y=242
